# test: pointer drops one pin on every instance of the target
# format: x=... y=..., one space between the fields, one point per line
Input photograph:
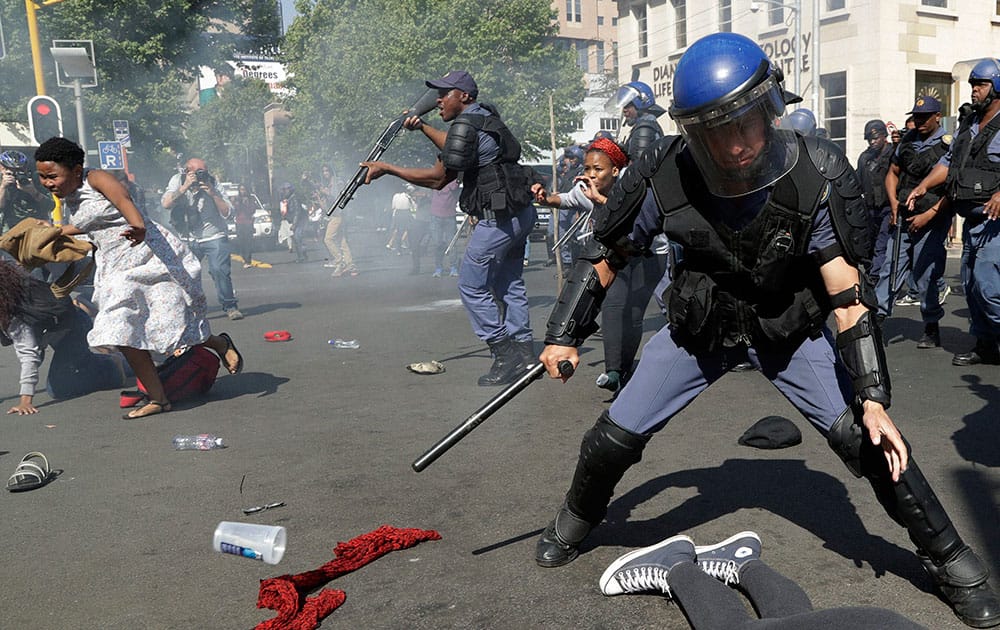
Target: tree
x=356 y=64
x=147 y=53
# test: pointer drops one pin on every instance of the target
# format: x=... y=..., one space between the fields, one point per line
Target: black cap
x=772 y=432
x=874 y=128
x=926 y=105
x=456 y=79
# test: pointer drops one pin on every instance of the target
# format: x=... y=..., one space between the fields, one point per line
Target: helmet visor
x=737 y=145
x=626 y=94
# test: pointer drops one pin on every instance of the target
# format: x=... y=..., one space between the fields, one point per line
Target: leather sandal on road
x=239 y=357
x=151 y=408
x=32 y=472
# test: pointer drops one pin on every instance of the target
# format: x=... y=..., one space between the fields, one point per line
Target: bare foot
x=151 y=408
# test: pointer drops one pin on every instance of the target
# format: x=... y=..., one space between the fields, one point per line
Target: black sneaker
x=724 y=560
x=645 y=570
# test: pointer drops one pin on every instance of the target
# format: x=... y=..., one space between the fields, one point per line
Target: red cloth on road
x=286 y=593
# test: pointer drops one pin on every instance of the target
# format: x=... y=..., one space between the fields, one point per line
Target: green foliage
x=357 y=64
x=147 y=54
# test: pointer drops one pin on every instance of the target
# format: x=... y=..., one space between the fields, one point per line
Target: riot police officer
x=972 y=177
x=774 y=229
x=922 y=228
x=640 y=111
x=872 y=167
x=496 y=191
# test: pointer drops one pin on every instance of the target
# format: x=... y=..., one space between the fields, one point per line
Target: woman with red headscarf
x=625 y=304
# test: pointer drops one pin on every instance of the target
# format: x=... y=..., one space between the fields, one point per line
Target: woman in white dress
x=147 y=285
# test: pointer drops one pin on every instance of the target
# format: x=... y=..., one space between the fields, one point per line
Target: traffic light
x=44 y=118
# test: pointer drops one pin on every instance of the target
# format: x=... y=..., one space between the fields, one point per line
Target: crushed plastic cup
x=346 y=344
x=249 y=540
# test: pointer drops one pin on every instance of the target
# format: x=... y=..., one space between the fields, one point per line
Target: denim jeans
x=216 y=253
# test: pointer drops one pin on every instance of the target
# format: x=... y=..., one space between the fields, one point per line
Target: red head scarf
x=611 y=149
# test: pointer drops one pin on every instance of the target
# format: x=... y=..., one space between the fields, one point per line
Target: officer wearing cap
x=872 y=167
x=496 y=191
x=773 y=227
x=922 y=227
x=20 y=198
x=971 y=174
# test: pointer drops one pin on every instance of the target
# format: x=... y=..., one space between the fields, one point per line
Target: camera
x=23 y=179
x=204 y=177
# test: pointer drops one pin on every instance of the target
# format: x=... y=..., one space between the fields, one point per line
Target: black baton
x=484 y=412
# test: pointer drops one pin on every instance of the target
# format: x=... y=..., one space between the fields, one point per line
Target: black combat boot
x=526 y=349
x=931 y=337
x=986 y=352
x=954 y=567
x=507 y=363
x=606 y=453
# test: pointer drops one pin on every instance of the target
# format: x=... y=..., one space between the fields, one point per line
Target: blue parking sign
x=112 y=158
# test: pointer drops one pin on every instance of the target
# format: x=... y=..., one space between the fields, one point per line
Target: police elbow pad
x=613 y=221
x=863 y=354
x=460 y=147
x=574 y=317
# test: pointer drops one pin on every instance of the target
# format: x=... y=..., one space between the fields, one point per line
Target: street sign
x=112 y=156
x=122 y=133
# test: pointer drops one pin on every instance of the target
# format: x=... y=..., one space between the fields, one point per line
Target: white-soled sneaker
x=645 y=570
x=724 y=560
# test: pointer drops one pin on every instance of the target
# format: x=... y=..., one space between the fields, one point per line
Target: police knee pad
x=610 y=446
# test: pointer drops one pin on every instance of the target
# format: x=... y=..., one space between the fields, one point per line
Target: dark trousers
x=244 y=242
x=624 y=309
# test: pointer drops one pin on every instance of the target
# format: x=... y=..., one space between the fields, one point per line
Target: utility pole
x=36 y=46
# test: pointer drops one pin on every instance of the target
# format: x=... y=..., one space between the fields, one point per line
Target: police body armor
x=913 y=167
x=973 y=177
x=645 y=132
x=492 y=190
x=758 y=285
x=872 y=172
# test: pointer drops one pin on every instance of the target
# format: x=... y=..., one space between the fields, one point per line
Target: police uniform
x=754 y=240
x=873 y=165
x=496 y=191
x=922 y=253
x=973 y=177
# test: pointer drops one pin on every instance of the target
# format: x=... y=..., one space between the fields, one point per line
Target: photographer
x=198 y=212
x=19 y=197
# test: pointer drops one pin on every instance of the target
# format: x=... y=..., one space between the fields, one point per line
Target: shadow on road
x=812 y=500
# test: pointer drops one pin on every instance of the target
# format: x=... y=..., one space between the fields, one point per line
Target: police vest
x=757 y=285
x=972 y=175
x=914 y=166
x=872 y=172
x=502 y=186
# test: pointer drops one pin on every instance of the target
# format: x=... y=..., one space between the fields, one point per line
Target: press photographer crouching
x=20 y=198
x=198 y=213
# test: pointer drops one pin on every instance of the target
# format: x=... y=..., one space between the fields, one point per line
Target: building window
x=937 y=85
x=835 y=5
x=680 y=23
x=775 y=15
x=940 y=4
x=600 y=20
x=726 y=16
x=582 y=58
x=835 y=107
x=599 y=45
x=573 y=10
x=643 y=34
x=614 y=20
x=609 y=124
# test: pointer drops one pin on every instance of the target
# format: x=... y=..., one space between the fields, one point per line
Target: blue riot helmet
x=728 y=98
x=986 y=70
x=574 y=152
x=801 y=120
x=640 y=96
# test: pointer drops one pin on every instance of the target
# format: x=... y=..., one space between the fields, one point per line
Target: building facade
x=850 y=60
x=590 y=29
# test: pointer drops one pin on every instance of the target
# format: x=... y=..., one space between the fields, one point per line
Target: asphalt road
x=122 y=539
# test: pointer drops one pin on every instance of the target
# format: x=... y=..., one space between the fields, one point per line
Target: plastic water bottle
x=203 y=442
x=351 y=344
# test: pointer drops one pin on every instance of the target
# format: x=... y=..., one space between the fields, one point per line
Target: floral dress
x=149 y=296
